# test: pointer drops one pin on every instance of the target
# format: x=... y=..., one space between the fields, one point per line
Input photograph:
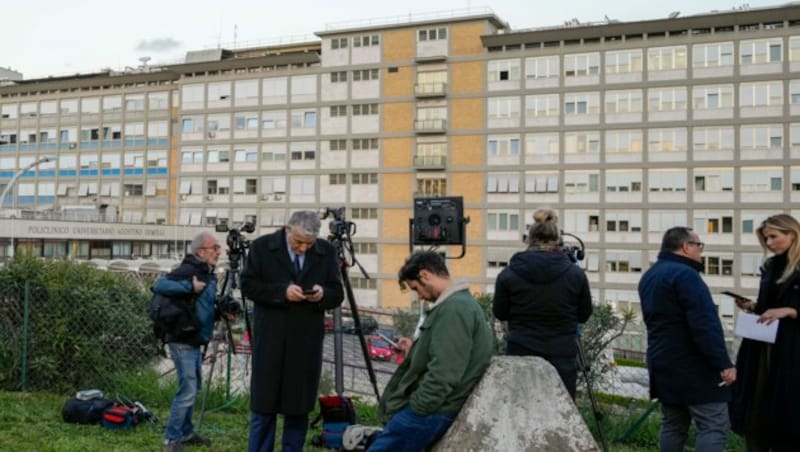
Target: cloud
x=158 y=45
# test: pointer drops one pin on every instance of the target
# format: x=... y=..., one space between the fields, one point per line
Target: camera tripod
x=340 y=238
x=583 y=367
x=225 y=304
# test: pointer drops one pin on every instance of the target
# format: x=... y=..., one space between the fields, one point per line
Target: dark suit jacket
x=287 y=337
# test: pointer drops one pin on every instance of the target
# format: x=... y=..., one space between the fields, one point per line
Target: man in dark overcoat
x=689 y=366
x=292 y=277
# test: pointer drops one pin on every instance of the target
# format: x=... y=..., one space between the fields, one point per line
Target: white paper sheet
x=746 y=326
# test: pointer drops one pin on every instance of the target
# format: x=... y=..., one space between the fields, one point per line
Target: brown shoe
x=173 y=447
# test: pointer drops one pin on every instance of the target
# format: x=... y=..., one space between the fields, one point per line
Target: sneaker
x=195 y=440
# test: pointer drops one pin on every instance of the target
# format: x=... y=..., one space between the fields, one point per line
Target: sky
x=40 y=38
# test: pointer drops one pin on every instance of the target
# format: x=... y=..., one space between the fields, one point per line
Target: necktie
x=297 y=263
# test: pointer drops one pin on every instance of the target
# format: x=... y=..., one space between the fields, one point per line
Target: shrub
x=84 y=326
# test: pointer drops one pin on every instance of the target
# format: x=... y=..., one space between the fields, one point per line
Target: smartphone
x=734 y=295
x=309 y=291
x=391 y=342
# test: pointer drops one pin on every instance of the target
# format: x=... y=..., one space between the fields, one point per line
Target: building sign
x=39 y=229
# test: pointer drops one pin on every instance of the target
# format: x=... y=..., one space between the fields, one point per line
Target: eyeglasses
x=700 y=245
x=212 y=247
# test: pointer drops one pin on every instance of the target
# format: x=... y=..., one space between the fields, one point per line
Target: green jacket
x=446 y=361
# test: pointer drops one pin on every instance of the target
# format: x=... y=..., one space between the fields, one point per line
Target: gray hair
x=305 y=222
x=199 y=241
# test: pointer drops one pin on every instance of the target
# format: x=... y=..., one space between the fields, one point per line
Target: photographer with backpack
x=194 y=285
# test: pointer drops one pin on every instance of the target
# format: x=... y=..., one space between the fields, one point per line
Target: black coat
x=685 y=344
x=543 y=295
x=287 y=337
x=776 y=412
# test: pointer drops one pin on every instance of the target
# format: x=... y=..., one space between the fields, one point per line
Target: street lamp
x=11 y=186
x=17 y=175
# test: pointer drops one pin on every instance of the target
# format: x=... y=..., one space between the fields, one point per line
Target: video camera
x=236 y=242
x=339 y=227
x=227 y=305
x=574 y=251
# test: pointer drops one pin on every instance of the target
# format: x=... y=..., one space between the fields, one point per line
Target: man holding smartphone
x=292 y=277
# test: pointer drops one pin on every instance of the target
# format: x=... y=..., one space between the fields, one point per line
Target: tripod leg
x=210 y=374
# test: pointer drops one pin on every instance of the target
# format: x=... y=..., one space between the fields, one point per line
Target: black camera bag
x=174 y=317
x=78 y=411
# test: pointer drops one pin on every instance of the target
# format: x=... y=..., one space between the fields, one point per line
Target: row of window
x=710 y=55
x=139 y=102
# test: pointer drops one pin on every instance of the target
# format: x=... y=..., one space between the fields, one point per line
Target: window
x=582 y=142
x=541 y=144
x=302 y=185
x=365 y=178
x=666 y=99
x=337 y=179
x=193 y=96
x=503 y=70
x=581 y=65
x=298 y=155
x=273 y=153
x=503 y=146
x=718 y=265
x=338 y=111
x=666 y=58
x=623 y=261
x=431 y=185
x=365 y=144
x=337 y=145
x=667 y=180
x=624 y=61
x=133 y=190
x=339 y=77
x=502 y=183
x=304 y=85
x=623 y=181
x=541 y=67
x=304 y=119
x=246 y=92
x=504 y=108
x=366 y=41
x=219 y=91
x=713 y=139
x=761 y=94
x=157 y=101
x=112 y=104
x=542 y=105
x=761 y=180
x=502 y=221
x=712 y=55
x=623 y=141
x=667 y=140
x=432 y=34
x=134 y=102
x=761 y=51
x=364 y=213
x=629 y=101
x=713 y=180
x=581 y=104
x=274 y=88
x=661 y=220
x=761 y=137
x=541 y=182
x=245 y=155
x=365 y=109
x=339 y=43
x=365 y=248
x=273 y=119
x=581 y=182
x=365 y=75
x=712 y=97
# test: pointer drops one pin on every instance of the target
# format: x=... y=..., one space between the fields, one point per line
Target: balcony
x=430 y=126
x=430 y=89
x=430 y=161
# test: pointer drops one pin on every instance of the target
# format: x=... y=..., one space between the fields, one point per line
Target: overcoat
x=287 y=337
x=767 y=388
x=685 y=344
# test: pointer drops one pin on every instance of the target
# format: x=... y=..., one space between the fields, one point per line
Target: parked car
x=368 y=325
x=328 y=324
x=379 y=348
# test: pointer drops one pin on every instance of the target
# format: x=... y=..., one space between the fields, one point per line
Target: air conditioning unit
x=212 y=134
x=184 y=197
x=73 y=145
x=265 y=197
x=277 y=197
x=209 y=197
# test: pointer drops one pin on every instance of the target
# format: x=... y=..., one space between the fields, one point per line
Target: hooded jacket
x=544 y=296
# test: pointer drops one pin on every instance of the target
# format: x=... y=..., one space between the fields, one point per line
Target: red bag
x=122 y=417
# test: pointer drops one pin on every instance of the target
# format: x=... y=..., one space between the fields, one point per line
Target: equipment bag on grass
x=337 y=413
x=85 y=411
x=122 y=416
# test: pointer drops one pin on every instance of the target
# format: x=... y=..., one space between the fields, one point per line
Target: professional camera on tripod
x=341 y=232
x=227 y=307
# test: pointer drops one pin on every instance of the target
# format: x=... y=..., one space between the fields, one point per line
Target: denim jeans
x=262 y=432
x=187 y=359
x=408 y=432
x=712 y=426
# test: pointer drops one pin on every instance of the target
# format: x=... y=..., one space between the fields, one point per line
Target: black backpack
x=81 y=411
x=174 y=318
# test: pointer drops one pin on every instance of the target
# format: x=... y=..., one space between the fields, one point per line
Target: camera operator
x=193 y=278
x=543 y=295
x=292 y=277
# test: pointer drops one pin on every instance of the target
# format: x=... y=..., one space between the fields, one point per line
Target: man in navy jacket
x=689 y=366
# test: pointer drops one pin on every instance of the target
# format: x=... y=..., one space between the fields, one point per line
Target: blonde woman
x=766 y=396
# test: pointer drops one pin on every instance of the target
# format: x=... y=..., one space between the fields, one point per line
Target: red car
x=379 y=348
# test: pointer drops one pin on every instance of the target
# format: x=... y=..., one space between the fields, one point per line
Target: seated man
x=446 y=360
